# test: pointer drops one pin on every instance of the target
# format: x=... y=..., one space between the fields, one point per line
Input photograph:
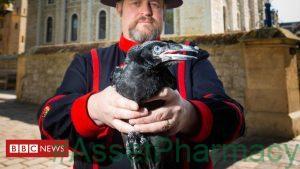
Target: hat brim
x=169 y=3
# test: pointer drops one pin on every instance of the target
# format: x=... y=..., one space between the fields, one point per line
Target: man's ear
x=119 y=7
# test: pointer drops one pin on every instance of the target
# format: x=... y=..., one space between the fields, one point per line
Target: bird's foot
x=138 y=150
x=135 y=144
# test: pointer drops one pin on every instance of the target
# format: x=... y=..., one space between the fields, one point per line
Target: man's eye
x=155 y=4
x=135 y=3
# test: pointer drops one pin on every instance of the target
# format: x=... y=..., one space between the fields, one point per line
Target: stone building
x=54 y=22
x=13 y=29
x=292 y=26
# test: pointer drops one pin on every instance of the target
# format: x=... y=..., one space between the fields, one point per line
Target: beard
x=152 y=31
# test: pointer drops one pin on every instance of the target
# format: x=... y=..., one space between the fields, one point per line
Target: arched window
x=238 y=17
x=169 y=21
x=251 y=20
x=224 y=18
x=241 y=15
x=49 y=30
x=102 y=25
x=74 y=27
x=50 y=1
x=227 y=15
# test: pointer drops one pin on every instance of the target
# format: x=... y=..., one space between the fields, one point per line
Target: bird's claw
x=135 y=144
x=138 y=151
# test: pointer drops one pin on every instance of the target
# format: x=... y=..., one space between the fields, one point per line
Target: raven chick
x=143 y=75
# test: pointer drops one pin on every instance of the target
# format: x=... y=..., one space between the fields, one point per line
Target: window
x=241 y=15
x=1 y=24
x=49 y=29
x=238 y=21
x=74 y=27
x=102 y=25
x=16 y=25
x=251 y=21
x=1 y=37
x=169 y=21
x=22 y=40
x=224 y=18
x=50 y=1
x=228 y=13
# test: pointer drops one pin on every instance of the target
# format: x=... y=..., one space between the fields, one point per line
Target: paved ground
x=18 y=121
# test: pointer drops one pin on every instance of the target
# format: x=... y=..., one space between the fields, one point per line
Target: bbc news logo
x=37 y=148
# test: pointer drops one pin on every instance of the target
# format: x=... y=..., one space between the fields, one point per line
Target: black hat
x=169 y=3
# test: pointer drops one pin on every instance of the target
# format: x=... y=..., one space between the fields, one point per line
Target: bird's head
x=155 y=53
x=145 y=71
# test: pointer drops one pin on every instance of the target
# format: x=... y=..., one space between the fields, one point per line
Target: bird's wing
x=115 y=75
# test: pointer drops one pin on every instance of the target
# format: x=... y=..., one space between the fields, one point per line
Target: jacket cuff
x=236 y=133
x=83 y=123
x=206 y=121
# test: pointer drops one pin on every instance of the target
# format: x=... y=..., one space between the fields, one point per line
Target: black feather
x=142 y=77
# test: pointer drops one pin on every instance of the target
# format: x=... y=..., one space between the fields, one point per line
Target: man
x=89 y=112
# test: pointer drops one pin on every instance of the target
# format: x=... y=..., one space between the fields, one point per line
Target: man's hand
x=177 y=115
x=110 y=108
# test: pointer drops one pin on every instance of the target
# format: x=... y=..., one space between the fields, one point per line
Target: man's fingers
x=155 y=127
x=122 y=126
x=125 y=103
x=159 y=114
x=164 y=94
x=128 y=114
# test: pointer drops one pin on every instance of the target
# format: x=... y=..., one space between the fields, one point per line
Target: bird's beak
x=179 y=52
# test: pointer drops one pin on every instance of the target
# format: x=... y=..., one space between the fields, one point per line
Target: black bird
x=143 y=75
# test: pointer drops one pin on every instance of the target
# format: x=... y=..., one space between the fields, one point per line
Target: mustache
x=145 y=18
x=142 y=19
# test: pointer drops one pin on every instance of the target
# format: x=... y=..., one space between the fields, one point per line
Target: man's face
x=141 y=19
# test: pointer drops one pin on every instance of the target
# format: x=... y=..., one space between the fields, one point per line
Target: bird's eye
x=157 y=50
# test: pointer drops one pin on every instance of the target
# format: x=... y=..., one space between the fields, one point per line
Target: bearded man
x=89 y=112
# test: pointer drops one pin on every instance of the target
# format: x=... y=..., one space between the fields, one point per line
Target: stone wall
x=41 y=70
x=8 y=71
x=8 y=63
x=44 y=67
x=298 y=62
x=229 y=63
x=272 y=85
x=39 y=75
x=257 y=69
